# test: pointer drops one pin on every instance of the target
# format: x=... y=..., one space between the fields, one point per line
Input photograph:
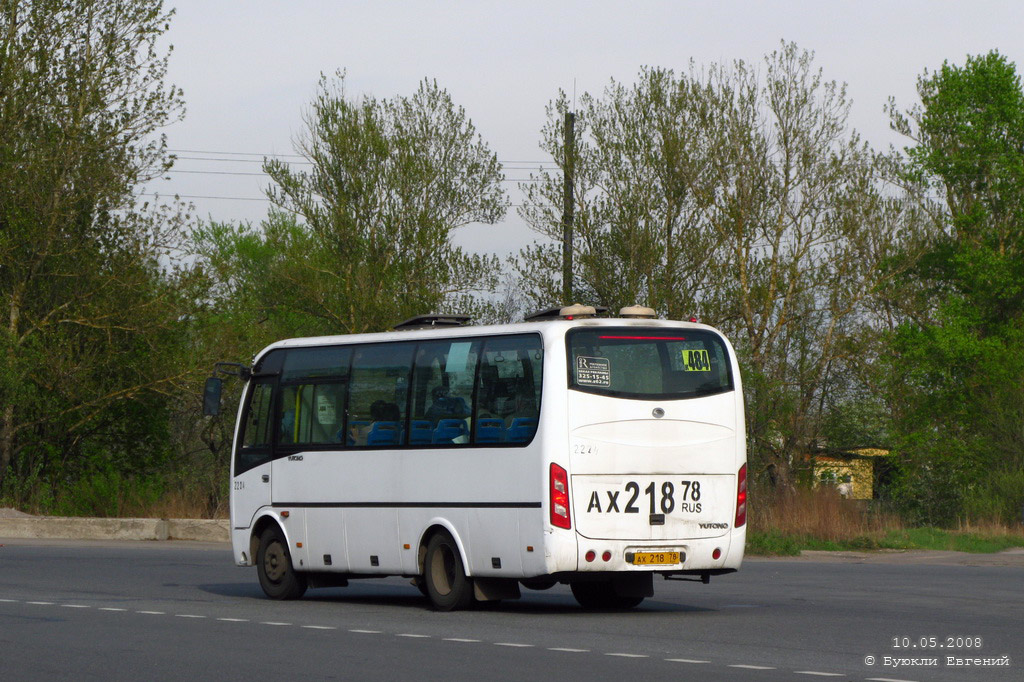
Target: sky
x=249 y=69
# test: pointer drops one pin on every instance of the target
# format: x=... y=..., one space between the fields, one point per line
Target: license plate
x=648 y=558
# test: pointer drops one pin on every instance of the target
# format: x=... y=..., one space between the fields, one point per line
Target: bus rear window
x=647 y=363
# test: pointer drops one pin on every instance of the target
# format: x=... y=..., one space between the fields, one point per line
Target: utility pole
x=569 y=149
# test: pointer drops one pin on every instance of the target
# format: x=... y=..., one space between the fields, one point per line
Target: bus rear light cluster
x=717 y=554
x=559 y=497
x=591 y=555
x=741 y=498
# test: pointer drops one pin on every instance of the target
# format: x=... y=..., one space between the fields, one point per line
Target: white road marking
x=753 y=667
x=463 y=639
x=887 y=679
x=815 y=672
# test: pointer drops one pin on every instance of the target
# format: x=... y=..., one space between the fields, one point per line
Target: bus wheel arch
x=443 y=568
x=277 y=573
x=440 y=526
x=257 y=530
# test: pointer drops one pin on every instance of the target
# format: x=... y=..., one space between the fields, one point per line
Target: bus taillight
x=741 y=498
x=559 y=497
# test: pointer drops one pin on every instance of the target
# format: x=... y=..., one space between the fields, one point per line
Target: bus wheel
x=601 y=596
x=274 y=566
x=444 y=576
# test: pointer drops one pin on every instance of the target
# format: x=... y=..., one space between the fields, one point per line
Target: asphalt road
x=151 y=611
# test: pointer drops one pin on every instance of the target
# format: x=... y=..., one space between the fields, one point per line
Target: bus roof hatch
x=433 y=320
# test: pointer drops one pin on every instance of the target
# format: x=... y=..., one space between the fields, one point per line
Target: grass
x=956 y=540
x=783 y=525
x=104 y=494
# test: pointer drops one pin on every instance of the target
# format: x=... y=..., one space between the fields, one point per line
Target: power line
x=210 y=158
x=196 y=196
x=202 y=172
x=310 y=163
x=530 y=164
x=267 y=175
x=206 y=151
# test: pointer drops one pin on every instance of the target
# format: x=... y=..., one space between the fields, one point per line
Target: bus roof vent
x=569 y=312
x=432 y=321
x=638 y=312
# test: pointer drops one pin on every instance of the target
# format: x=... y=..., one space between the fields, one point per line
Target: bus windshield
x=656 y=363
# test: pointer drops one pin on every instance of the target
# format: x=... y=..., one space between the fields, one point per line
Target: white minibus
x=591 y=451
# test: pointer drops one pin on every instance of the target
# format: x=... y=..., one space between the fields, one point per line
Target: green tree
x=88 y=311
x=958 y=358
x=362 y=239
x=637 y=161
x=740 y=197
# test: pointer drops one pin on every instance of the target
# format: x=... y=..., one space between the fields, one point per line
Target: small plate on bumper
x=653 y=558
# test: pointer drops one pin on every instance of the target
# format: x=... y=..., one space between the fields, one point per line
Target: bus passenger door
x=250 y=485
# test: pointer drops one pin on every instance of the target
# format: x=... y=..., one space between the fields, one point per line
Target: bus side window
x=258 y=428
x=312 y=413
x=508 y=391
x=442 y=392
x=257 y=424
x=311 y=410
x=378 y=396
x=287 y=428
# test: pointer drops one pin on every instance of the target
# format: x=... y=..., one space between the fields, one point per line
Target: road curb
x=76 y=528
x=201 y=530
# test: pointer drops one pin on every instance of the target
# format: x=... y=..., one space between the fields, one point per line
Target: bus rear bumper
x=685 y=556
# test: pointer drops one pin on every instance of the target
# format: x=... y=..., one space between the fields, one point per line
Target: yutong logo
x=707 y=526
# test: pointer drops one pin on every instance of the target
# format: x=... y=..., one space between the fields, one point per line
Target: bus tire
x=278 y=577
x=444 y=576
x=601 y=596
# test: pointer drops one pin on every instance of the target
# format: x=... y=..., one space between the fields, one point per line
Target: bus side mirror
x=211 y=396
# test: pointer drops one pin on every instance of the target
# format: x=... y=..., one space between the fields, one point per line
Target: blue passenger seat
x=383 y=433
x=448 y=430
x=420 y=432
x=521 y=429
x=490 y=430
